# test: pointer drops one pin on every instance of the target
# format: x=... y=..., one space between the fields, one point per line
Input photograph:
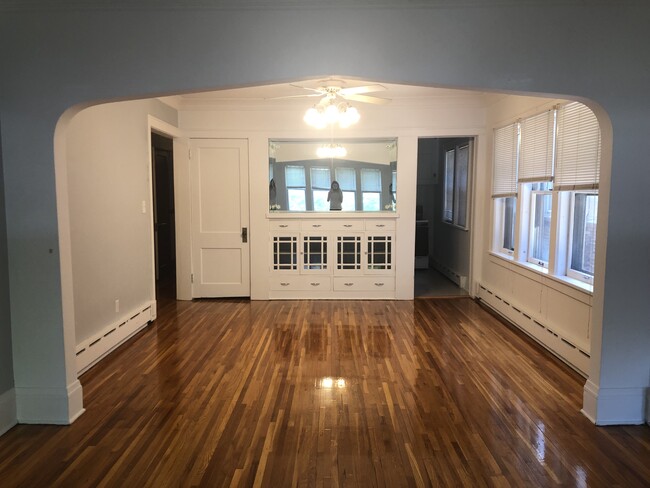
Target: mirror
x=330 y=175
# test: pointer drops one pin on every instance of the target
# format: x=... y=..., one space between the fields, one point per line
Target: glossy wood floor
x=234 y=393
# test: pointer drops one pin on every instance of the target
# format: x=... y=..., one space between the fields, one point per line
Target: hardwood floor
x=329 y=393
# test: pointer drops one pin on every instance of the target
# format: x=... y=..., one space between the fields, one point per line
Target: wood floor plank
x=328 y=393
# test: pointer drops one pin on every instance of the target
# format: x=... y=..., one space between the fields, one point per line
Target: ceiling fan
x=333 y=107
x=330 y=90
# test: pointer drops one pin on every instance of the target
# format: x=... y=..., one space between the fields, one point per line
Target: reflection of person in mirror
x=272 y=192
x=335 y=196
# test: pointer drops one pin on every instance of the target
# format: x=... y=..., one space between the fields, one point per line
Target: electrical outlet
x=144 y=206
x=117 y=306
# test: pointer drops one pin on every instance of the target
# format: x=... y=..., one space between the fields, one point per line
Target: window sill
x=455 y=226
x=540 y=270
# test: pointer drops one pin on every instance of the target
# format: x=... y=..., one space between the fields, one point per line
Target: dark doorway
x=442 y=231
x=162 y=165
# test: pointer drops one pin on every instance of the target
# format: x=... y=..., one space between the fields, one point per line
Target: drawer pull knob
x=380 y=225
x=283 y=226
x=348 y=284
x=284 y=283
x=379 y=284
x=314 y=283
x=315 y=225
x=347 y=225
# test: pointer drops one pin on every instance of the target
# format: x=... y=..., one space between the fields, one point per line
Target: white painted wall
x=563 y=309
x=57 y=60
x=405 y=120
x=109 y=178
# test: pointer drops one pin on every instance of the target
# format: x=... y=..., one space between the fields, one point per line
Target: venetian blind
x=370 y=180
x=536 y=152
x=504 y=172
x=320 y=178
x=578 y=148
x=295 y=176
x=347 y=178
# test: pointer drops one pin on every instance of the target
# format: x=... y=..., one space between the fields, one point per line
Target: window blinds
x=536 y=152
x=295 y=176
x=504 y=172
x=347 y=178
x=320 y=178
x=578 y=155
x=370 y=180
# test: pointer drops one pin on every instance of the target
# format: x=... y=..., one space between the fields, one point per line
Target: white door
x=219 y=188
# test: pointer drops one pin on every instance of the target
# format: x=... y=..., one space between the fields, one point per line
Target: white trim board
x=94 y=349
x=553 y=340
x=614 y=406
x=8 y=417
x=58 y=406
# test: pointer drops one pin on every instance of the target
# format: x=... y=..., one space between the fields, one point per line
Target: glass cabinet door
x=314 y=253
x=348 y=254
x=285 y=253
x=379 y=254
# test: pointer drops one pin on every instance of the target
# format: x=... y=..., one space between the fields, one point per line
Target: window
x=552 y=160
x=540 y=224
x=582 y=247
x=347 y=179
x=504 y=187
x=320 y=186
x=448 y=199
x=454 y=209
x=506 y=212
x=295 y=176
x=371 y=189
x=393 y=187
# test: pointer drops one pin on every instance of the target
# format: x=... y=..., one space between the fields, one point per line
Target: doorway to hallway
x=162 y=180
x=443 y=236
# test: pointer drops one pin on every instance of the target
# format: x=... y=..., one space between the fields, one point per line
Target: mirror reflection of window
x=371 y=189
x=302 y=176
x=295 y=178
x=347 y=178
x=320 y=185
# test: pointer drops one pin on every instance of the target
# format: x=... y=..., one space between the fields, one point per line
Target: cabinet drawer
x=364 y=283
x=300 y=283
x=285 y=225
x=332 y=225
x=379 y=225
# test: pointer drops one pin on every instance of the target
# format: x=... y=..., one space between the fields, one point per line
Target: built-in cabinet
x=332 y=258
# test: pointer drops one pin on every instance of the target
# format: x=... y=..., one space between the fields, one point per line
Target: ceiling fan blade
x=356 y=90
x=317 y=90
x=367 y=99
x=296 y=96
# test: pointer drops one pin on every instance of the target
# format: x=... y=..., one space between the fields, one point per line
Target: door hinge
x=192 y=277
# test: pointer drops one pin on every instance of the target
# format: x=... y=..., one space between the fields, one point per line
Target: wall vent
x=562 y=347
x=92 y=350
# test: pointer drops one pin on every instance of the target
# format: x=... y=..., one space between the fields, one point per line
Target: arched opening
x=254 y=115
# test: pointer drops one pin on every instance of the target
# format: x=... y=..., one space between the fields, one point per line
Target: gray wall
x=6 y=360
x=53 y=59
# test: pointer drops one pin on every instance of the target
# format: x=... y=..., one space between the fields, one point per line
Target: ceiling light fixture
x=330 y=113
x=331 y=151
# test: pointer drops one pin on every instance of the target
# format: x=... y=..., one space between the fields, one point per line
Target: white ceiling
x=272 y=94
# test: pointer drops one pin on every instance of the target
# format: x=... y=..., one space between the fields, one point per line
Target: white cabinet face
x=348 y=254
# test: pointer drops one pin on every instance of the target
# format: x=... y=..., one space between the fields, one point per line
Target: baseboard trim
x=590 y=401
x=458 y=279
x=93 y=350
x=564 y=348
x=57 y=406
x=614 y=406
x=8 y=417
